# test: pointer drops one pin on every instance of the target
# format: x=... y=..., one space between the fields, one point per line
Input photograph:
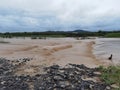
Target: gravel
x=70 y=77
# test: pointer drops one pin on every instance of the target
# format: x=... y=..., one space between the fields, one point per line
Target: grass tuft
x=111 y=75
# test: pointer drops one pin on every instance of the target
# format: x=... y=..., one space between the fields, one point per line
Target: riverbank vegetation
x=76 y=33
x=111 y=75
x=114 y=35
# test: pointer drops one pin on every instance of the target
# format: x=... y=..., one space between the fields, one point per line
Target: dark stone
x=55 y=78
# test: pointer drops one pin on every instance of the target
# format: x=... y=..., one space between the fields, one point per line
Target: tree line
x=57 y=34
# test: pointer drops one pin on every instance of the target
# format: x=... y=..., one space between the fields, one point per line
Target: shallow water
x=106 y=46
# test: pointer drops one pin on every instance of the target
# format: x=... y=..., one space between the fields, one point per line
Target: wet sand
x=47 y=52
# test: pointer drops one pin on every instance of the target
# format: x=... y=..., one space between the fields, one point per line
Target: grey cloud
x=60 y=13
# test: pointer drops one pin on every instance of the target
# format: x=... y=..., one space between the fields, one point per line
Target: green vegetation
x=48 y=34
x=3 y=42
x=33 y=37
x=111 y=75
x=76 y=33
x=116 y=35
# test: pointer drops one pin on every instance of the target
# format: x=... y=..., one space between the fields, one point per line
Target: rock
x=97 y=73
x=90 y=79
x=57 y=78
x=115 y=86
x=108 y=88
x=70 y=77
x=3 y=82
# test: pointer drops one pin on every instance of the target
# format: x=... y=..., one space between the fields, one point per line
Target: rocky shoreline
x=70 y=77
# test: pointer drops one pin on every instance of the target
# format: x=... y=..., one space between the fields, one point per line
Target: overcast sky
x=40 y=15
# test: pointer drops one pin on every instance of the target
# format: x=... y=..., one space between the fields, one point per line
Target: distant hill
x=74 y=31
x=80 y=31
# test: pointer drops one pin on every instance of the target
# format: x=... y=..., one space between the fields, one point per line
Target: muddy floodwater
x=104 y=47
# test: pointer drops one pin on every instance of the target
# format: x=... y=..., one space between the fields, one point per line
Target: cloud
x=90 y=14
